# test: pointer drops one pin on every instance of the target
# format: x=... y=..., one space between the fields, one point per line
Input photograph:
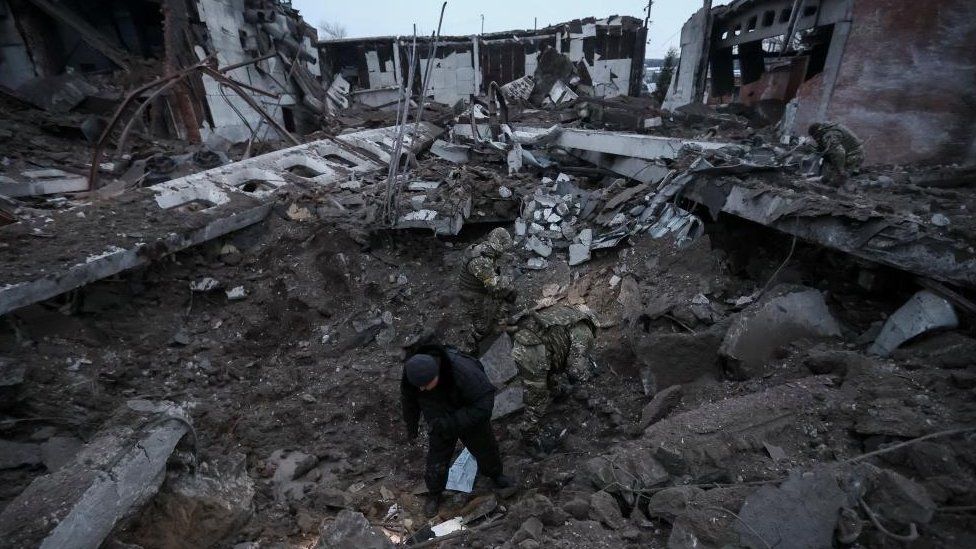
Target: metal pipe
x=791 y=28
x=430 y=61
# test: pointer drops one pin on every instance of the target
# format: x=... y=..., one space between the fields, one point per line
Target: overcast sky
x=463 y=17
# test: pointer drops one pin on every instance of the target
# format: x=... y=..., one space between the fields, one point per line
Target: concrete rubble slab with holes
x=180 y=213
x=910 y=244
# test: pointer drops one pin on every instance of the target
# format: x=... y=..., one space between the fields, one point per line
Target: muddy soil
x=308 y=365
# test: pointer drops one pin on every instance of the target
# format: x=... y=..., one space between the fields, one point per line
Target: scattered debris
x=748 y=385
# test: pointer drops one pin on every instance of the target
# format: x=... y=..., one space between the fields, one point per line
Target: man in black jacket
x=452 y=391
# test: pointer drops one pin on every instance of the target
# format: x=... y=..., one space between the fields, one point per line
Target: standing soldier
x=483 y=287
x=842 y=151
x=552 y=349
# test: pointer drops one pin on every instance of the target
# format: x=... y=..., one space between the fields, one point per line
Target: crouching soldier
x=552 y=350
x=456 y=399
x=841 y=149
x=483 y=287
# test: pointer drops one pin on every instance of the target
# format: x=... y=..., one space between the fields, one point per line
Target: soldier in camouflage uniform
x=842 y=151
x=483 y=288
x=552 y=349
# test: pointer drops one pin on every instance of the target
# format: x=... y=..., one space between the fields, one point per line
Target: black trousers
x=480 y=441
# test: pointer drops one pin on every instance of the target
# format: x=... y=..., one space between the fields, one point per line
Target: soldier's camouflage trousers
x=562 y=355
x=483 y=313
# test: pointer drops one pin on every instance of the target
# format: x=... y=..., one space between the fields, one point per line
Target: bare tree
x=333 y=29
x=667 y=71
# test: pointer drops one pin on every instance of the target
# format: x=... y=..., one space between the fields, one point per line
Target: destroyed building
x=899 y=74
x=220 y=238
x=264 y=44
x=604 y=56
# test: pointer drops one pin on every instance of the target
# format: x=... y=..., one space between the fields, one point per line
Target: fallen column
x=111 y=477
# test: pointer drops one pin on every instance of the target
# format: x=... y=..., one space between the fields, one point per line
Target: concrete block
x=508 y=401
x=498 y=361
x=116 y=473
x=578 y=254
x=925 y=311
x=786 y=315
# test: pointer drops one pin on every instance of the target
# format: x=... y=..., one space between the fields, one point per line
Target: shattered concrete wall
x=683 y=83
x=452 y=72
x=906 y=83
x=234 y=40
x=609 y=52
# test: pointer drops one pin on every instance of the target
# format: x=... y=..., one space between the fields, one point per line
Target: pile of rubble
x=200 y=334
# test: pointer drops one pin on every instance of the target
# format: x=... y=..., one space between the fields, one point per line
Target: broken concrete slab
x=886 y=239
x=784 y=315
x=121 y=469
x=674 y=358
x=58 y=94
x=41 y=182
x=896 y=498
x=701 y=441
x=508 y=401
x=925 y=311
x=378 y=141
x=538 y=246
x=187 y=211
x=498 y=361
x=672 y=502
x=631 y=145
x=425 y=186
x=458 y=154
x=604 y=509
x=802 y=512
x=626 y=471
x=351 y=530
x=578 y=254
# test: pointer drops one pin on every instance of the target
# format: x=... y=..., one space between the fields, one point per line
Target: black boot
x=431 y=505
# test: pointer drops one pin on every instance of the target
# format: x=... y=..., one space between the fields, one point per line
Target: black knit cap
x=421 y=369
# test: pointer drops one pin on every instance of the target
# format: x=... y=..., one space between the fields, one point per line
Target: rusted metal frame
x=171 y=33
x=430 y=63
x=229 y=68
x=135 y=116
x=166 y=83
x=100 y=144
x=391 y=183
x=253 y=89
x=138 y=112
x=233 y=84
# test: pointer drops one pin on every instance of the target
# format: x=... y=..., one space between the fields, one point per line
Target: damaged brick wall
x=907 y=82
